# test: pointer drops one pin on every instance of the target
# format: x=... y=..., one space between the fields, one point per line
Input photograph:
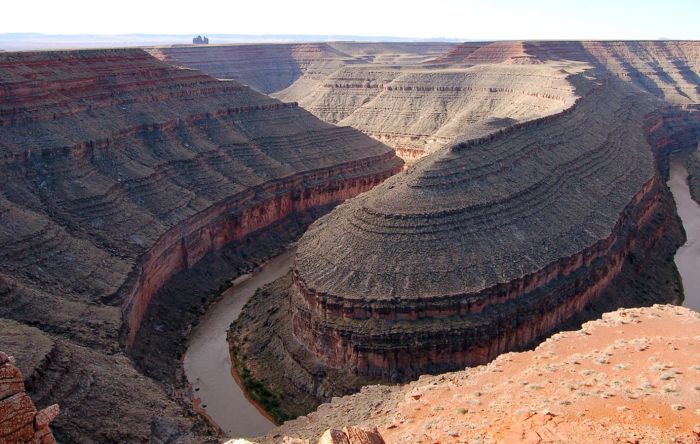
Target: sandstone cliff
x=476 y=250
x=20 y=422
x=118 y=171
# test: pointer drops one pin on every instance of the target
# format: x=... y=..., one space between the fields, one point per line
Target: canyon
x=119 y=172
x=474 y=251
x=418 y=98
x=451 y=202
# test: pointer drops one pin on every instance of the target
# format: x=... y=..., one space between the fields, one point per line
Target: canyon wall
x=418 y=110
x=476 y=250
x=443 y=295
x=267 y=68
x=407 y=95
x=420 y=97
x=118 y=171
x=669 y=69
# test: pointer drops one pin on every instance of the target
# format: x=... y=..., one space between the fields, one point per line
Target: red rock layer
x=459 y=53
x=20 y=422
x=118 y=170
x=632 y=376
x=233 y=219
x=446 y=266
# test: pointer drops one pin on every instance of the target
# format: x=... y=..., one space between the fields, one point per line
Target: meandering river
x=207 y=363
x=688 y=256
x=208 y=366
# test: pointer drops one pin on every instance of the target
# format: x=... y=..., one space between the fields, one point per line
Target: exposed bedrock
x=119 y=171
x=235 y=218
x=409 y=309
x=20 y=422
x=274 y=67
x=417 y=110
x=629 y=375
x=668 y=69
x=479 y=249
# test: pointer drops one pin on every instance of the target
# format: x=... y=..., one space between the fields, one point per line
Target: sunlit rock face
x=20 y=422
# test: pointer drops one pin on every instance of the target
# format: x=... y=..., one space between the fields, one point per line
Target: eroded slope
x=118 y=171
x=267 y=68
x=417 y=111
x=476 y=250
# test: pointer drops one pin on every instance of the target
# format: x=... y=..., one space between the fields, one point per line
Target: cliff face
x=432 y=103
x=433 y=95
x=668 y=69
x=419 y=110
x=476 y=250
x=118 y=171
x=636 y=365
x=442 y=294
x=20 y=422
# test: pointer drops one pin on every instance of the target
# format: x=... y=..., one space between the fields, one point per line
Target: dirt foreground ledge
x=632 y=376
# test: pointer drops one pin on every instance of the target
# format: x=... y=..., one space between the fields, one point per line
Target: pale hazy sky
x=466 y=19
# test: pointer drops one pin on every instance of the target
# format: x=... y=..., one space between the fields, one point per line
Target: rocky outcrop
x=413 y=308
x=20 y=422
x=474 y=251
x=118 y=171
x=631 y=376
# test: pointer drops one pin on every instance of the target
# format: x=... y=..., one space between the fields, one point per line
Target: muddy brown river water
x=207 y=363
x=688 y=256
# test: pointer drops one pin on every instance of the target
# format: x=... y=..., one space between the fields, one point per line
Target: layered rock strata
x=632 y=376
x=417 y=110
x=20 y=422
x=118 y=171
x=476 y=250
x=403 y=94
x=666 y=68
x=479 y=249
